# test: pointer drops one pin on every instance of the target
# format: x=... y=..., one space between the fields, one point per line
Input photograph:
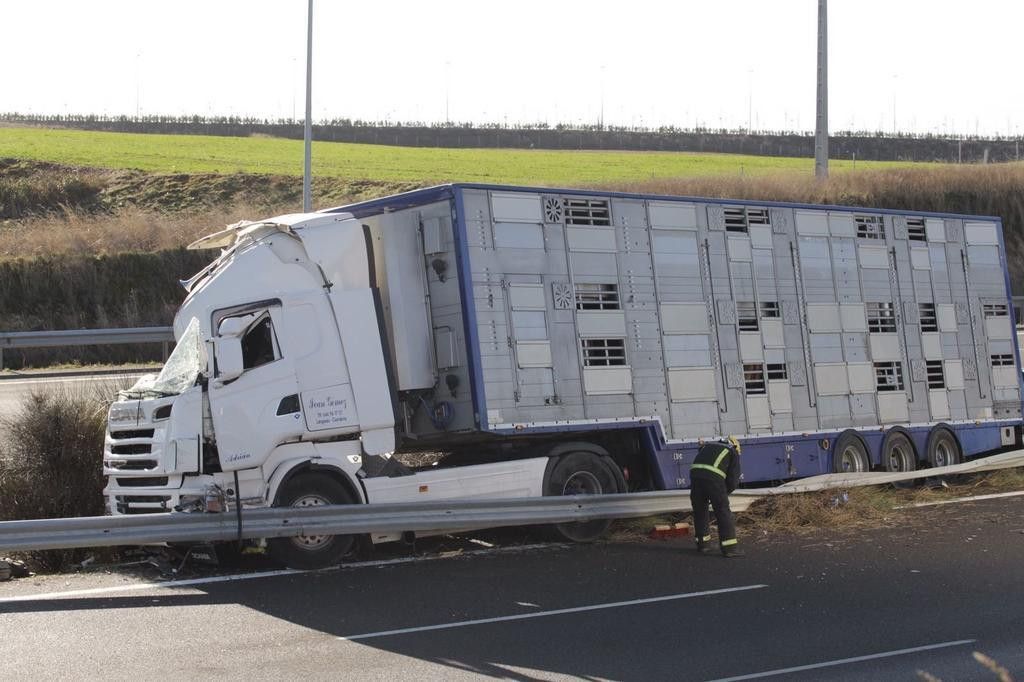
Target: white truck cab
x=278 y=390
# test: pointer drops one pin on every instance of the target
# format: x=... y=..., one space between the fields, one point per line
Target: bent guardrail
x=85 y=337
x=440 y=515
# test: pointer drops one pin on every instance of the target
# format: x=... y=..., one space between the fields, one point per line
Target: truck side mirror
x=228 y=354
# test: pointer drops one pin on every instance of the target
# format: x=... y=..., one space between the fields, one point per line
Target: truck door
x=257 y=408
x=530 y=341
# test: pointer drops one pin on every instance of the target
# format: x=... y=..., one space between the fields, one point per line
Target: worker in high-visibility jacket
x=713 y=475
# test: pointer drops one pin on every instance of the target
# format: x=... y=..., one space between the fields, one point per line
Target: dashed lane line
x=845 y=661
x=544 y=614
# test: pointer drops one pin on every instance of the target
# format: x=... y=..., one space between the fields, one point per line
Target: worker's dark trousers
x=711 y=490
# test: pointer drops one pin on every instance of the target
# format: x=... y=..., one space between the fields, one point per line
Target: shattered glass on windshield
x=180 y=371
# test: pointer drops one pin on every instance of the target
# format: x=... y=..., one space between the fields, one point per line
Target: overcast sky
x=911 y=65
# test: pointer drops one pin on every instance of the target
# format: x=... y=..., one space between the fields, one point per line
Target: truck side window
x=258 y=344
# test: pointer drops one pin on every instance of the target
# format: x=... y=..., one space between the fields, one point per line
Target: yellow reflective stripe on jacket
x=709 y=468
x=714 y=467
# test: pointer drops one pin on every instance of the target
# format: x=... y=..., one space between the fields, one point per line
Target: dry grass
x=840 y=510
x=928 y=188
x=127 y=229
x=143 y=212
x=868 y=506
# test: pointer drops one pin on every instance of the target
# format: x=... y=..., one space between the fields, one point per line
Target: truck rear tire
x=583 y=473
x=898 y=453
x=310 y=552
x=850 y=456
x=943 y=448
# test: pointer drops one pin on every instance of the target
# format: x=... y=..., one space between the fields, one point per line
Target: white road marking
x=171 y=584
x=67 y=380
x=555 y=612
x=972 y=498
x=844 y=661
x=135 y=587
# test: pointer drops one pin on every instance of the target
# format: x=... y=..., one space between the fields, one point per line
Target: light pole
x=894 y=105
x=821 y=128
x=750 y=99
x=307 y=177
x=138 y=79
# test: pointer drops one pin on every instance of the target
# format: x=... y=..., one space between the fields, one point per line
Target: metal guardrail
x=442 y=515
x=86 y=337
x=437 y=515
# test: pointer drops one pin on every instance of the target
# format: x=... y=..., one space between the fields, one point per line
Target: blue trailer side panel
x=684 y=318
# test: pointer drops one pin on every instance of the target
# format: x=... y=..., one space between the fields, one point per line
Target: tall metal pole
x=307 y=177
x=821 y=129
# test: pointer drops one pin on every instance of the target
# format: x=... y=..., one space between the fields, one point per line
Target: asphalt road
x=14 y=390
x=878 y=604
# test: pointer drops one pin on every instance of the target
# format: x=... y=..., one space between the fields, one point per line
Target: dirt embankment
x=114 y=236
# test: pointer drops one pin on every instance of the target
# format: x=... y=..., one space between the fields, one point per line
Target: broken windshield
x=180 y=371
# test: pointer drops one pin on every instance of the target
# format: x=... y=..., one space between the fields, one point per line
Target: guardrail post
x=164 y=345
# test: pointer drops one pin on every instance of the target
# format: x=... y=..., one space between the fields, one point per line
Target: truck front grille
x=135 y=433
x=143 y=481
x=133 y=449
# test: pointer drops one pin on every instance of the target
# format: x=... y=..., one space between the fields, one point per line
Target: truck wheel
x=943 y=448
x=898 y=452
x=582 y=473
x=850 y=456
x=310 y=552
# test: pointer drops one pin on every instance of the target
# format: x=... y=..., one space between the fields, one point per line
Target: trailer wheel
x=850 y=456
x=582 y=473
x=943 y=448
x=898 y=452
x=310 y=552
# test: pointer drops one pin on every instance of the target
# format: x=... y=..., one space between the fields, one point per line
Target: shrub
x=50 y=462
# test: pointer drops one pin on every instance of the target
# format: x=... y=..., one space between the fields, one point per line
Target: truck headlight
x=162 y=412
x=123 y=413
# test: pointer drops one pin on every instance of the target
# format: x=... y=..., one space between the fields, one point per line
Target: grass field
x=207 y=154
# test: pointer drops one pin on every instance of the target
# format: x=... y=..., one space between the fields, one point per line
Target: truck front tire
x=583 y=473
x=310 y=552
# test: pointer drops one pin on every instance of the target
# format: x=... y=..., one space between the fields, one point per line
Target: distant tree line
x=861 y=145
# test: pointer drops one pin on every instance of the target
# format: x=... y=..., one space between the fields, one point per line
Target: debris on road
x=10 y=568
x=665 y=530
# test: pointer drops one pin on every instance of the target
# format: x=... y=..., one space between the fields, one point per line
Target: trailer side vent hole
x=593 y=212
x=552 y=210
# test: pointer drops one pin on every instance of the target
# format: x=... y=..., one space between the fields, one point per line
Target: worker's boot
x=704 y=545
x=733 y=550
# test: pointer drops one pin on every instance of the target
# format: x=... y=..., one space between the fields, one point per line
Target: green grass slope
x=272 y=156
